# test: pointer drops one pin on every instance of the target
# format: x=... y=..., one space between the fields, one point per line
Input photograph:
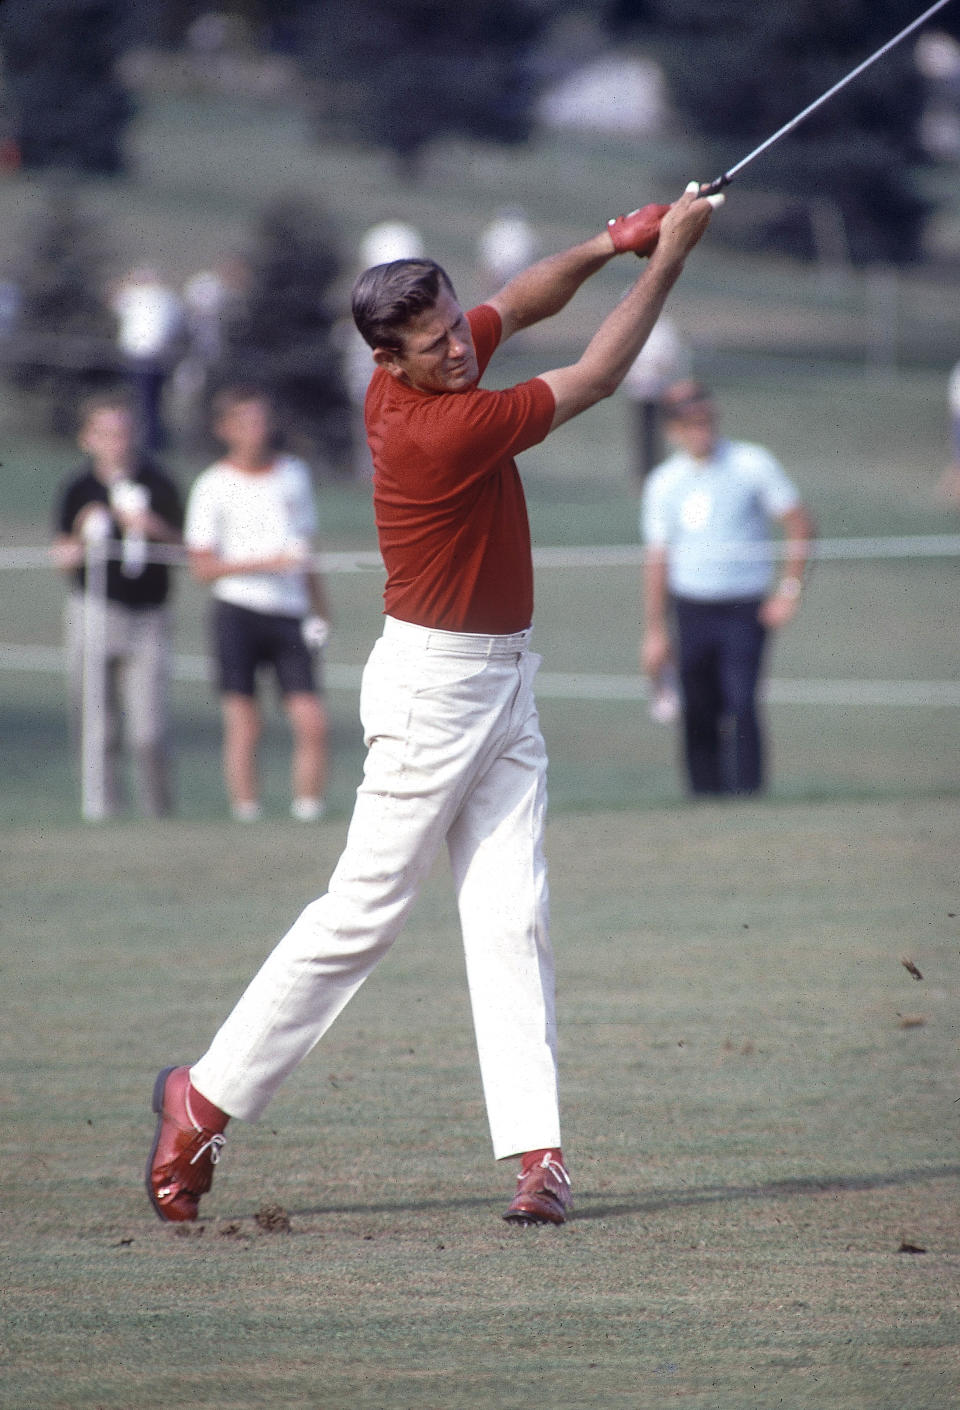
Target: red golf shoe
x=543 y=1190
x=180 y=1167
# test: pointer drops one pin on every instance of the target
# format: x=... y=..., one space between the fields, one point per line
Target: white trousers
x=137 y=665
x=455 y=754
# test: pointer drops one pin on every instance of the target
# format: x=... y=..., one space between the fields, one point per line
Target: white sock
x=246 y=812
x=307 y=809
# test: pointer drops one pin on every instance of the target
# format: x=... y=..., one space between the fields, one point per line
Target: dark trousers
x=146 y=378
x=647 y=439
x=720 y=649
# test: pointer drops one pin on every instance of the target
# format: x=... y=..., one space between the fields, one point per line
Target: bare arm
x=655 y=649
x=148 y=523
x=548 y=286
x=67 y=552
x=781 y=606
x=317 y=590
x=207 y=566
x=622 y=334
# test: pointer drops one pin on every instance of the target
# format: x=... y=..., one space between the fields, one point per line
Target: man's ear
x=387 y=359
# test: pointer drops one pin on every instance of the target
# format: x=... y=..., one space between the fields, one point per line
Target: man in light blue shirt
x=707 y=516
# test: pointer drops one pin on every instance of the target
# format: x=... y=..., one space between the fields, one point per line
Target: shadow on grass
x=664 y=1199
x=595 y=1206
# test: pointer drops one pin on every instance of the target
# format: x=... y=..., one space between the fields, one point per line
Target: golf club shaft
x=728 y=176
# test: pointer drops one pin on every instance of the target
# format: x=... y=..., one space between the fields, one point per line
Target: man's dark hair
x=683 y=397
x=387 y=296
x=112 y=399
x=238 y=394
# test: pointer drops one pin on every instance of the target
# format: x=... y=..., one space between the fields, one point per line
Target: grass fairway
x=760 y=1114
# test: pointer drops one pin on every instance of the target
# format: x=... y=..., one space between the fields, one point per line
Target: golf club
x=712 y=187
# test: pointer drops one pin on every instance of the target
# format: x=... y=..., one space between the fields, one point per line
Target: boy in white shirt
x=250 y=523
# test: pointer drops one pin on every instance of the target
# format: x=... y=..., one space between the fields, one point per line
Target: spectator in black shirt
x=124 y=500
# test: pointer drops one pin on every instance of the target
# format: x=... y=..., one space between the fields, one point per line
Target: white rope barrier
x=93 y=713
x=632 y=555
x=571 y=686
x=585 y=556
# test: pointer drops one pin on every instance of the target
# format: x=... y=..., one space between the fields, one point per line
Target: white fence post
x=93 y=718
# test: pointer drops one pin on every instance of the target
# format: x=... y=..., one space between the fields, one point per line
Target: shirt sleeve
x=472 y=433
x=777 y=491
x=486 y=331
x=654 y=526
x=303 y=508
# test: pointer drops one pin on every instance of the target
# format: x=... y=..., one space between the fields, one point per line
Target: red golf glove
x=639 y=231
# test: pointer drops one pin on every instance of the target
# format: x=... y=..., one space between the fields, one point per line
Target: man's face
x=695 y=432
x=438 y=353
x=245 y=428
x=108 y=438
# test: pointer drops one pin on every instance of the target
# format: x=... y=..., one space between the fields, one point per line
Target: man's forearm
x=622 y=334
x=655 y=595
x=799 y=529
x=607 y=357
x=655 y=648
x=316 y=590
x=548 y=286
x=207 y=566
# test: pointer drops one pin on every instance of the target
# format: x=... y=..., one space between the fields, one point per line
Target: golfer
x=455 y=753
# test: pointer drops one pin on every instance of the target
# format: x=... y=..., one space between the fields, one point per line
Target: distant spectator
x=211 y=298
x=663 y=359
x=389 y=240
x=707 y=517
x=127 y=499
x=149 y=318
x=505 y=247
x=251 y=520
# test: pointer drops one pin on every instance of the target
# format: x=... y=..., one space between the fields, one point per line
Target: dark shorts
x=244 y=640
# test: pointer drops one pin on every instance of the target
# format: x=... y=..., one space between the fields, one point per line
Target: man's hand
x=640 y=231
x=781 y=607
x=315 y=631
x=67 y=553
x=637 y=232
x=685 y=222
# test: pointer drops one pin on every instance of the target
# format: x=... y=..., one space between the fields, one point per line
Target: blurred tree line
x=399 y=73
x=66 y=106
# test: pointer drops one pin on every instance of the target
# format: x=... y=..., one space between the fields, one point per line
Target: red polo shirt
x=450 y=511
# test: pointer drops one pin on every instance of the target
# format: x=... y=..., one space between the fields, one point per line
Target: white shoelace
x=555 y=1168
x=215 y=1145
